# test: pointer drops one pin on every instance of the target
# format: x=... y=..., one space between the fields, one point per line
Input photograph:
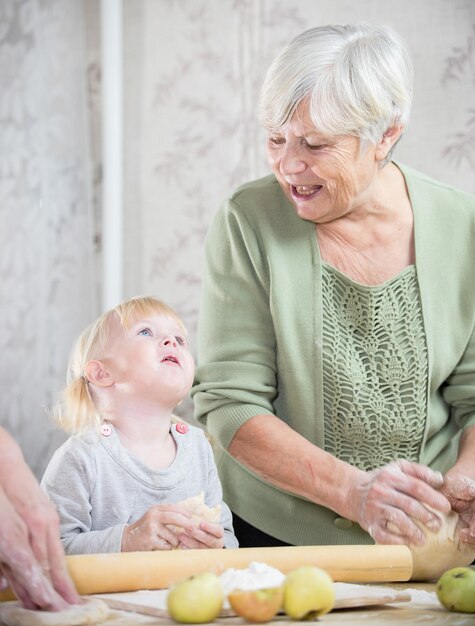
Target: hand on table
x=393 y=496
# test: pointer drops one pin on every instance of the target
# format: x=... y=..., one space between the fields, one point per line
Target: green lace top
x=374 y=369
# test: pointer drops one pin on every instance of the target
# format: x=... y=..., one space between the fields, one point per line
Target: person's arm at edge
x=32 y=560
x=311 y=473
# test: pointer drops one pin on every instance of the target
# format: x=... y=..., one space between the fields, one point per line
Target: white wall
x=47 y=284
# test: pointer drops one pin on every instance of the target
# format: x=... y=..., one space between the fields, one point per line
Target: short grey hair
x=357 y=79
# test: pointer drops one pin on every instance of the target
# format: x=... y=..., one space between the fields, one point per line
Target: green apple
x=196 y=600
x=456 y=589
x=308 y=592
x=259 y=605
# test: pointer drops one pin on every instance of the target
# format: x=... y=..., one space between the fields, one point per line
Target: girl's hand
x=154 y=530
x=460 y=492
x=206 y=535
x=389 y=500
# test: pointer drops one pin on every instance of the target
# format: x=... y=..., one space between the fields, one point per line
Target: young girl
x=118 y=481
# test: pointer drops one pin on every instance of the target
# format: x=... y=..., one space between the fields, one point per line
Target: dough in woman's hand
x=442 y=550
x=92 y=612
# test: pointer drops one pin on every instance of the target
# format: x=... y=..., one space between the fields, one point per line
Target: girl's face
x=323 y=178
x=150 y=361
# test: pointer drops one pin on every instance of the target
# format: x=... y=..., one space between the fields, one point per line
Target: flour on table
x=256 y=576
x=421 y=596
x=92 y=612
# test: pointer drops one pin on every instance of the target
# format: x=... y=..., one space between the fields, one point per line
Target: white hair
x=356 y=78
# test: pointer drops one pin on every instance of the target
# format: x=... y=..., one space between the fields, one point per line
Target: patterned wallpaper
x=46 y=272
x=192 y=70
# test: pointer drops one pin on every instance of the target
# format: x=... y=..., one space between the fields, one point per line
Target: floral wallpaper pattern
x=460 y=68
x=192 y=74
x=46 y=287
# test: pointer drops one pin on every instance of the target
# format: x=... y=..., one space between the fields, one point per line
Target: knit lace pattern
x=375 y=369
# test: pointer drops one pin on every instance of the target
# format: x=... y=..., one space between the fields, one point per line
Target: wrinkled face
x=323 y=178
x=150 y=359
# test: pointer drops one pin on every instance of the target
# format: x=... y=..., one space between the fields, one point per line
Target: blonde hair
x=356 y=78
x=76 y=411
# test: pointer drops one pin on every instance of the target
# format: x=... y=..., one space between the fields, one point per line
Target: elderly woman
x=336 y=349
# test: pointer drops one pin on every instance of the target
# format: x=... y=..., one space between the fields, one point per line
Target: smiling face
x=323 y=178
x=149 y=360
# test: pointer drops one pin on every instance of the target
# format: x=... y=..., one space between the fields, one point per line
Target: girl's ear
x=390 y=137
x=97 y=374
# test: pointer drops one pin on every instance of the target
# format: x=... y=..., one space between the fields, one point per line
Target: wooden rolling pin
x=131 y=571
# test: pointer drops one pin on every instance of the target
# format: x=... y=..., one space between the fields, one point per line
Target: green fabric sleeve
x=236 y=376
x=459 y=390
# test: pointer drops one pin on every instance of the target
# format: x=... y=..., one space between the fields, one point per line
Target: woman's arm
x=31 y=555
x=393 y=493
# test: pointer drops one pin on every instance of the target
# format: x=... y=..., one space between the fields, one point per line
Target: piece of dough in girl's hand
x=199 y=511
x=92 y=612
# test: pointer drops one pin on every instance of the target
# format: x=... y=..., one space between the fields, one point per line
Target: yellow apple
x=196 y=600
x=259 y=605
x=456 y=589
x=308 y=593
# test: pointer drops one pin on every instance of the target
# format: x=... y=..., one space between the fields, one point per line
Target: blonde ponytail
x=76 y=412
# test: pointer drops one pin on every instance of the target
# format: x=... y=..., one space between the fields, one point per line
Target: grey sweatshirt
x=99 y=487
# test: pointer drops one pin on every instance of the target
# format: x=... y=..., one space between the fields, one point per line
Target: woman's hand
x=38 y=584
x=31 y=554
x=460 y=492
x=206 y=535
x=387 y=500
x=155 y=529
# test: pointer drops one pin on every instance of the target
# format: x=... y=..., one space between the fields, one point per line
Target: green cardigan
x=260 y=338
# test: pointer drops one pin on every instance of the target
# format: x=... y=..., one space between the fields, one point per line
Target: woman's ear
x=97 y=374
x=387 y=142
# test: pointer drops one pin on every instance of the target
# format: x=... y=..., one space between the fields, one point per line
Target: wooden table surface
x=423 y=608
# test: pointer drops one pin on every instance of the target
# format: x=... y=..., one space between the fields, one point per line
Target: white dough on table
x=92 y=612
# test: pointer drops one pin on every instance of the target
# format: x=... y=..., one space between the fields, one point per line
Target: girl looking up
x=118 y=481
